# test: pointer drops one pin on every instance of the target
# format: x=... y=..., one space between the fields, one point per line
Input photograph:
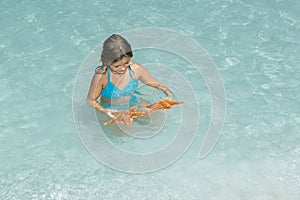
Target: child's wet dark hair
x=114 y=49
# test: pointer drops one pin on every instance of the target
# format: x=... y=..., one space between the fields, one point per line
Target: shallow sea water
x=255 y=47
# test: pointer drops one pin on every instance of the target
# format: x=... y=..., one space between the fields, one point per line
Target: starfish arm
x=110 y=122
x=127 y=116
x=137 y=114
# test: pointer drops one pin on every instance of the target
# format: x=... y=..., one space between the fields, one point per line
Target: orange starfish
x=125 y=116
x=161 y=105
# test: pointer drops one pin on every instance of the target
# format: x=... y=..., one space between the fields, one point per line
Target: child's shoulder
x=101 y=74
x=136 y=66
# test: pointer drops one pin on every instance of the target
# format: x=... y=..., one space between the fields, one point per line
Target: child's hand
x=109 y=113
x=169 y=97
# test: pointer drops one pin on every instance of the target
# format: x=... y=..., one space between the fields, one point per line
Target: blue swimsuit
x=111 y=91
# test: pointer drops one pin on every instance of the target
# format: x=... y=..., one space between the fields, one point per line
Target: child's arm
x=143 y=75
x=95 y=91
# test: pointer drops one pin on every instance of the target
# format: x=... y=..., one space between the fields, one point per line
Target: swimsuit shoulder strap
x=130 y=72
x=108 y=74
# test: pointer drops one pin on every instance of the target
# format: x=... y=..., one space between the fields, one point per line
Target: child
x=117 y=79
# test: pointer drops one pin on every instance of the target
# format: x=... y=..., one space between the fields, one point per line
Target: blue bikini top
x=112 y=91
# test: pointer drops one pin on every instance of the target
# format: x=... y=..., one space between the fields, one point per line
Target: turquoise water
x=255 y=47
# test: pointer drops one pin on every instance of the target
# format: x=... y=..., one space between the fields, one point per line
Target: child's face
x=120 y=66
